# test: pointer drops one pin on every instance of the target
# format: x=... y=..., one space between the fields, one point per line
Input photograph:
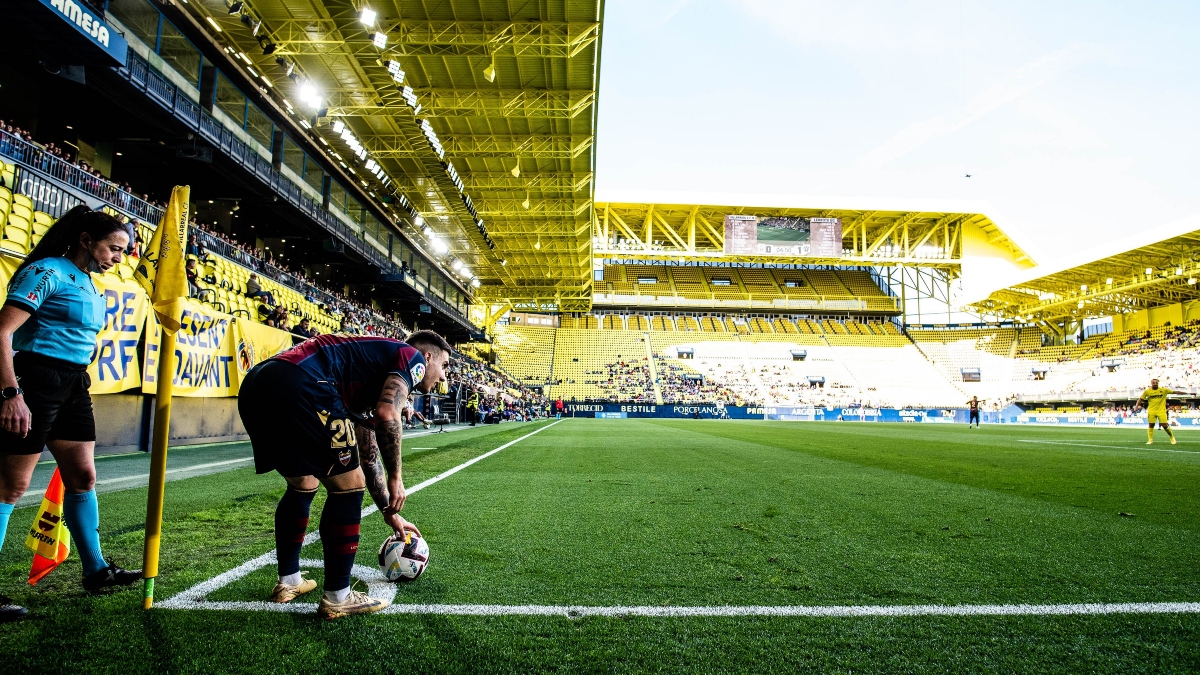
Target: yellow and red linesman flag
x=162 y=268
x=48 y=537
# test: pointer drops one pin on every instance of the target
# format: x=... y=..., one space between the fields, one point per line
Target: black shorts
x=60 y=407
x=974 y=416
x=297 y=424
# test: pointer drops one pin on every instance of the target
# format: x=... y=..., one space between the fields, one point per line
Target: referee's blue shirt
x=68 y=311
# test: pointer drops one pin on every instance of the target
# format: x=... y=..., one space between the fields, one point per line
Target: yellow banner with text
x=115 y=365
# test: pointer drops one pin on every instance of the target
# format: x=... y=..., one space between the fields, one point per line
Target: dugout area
x=709 y=515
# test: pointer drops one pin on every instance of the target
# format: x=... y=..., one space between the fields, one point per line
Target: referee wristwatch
x=10 y=392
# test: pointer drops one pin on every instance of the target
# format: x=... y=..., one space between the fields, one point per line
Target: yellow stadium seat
x=16 y=239
x=24 y=201
x=23 y=211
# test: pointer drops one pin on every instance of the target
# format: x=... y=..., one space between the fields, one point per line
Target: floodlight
x=475 y=283
x=269 y=48
x=456 y=265
x=516 y=170
x=338 y=125
x=379 y=39
x=236 y=7
x=309 y=95
x=418 y=221
x=366 y=16
x=489 y=73
x=393 y=67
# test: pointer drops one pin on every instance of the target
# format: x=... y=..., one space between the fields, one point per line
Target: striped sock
x=340 y=521
x=291 y=522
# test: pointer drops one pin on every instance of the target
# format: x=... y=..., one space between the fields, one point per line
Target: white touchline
x=377 y=587
x=182 y=469
x=193 y=598
x=1118 y=447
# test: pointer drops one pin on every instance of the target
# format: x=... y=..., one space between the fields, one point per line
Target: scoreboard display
x=783 y=236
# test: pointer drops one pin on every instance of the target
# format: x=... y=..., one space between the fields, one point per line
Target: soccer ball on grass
x=403 y=557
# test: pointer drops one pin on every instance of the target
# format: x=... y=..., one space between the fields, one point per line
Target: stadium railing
x=37 y=161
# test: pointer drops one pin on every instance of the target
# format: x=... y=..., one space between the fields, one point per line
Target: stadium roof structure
x=1150 y=268
x=503 y=93
x=874 y=233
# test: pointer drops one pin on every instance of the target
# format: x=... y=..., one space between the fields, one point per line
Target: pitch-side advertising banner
x=115 y=366
x=205 y=354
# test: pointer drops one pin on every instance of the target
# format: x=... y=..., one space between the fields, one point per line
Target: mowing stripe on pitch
x=1132 y=446
x=193 y=598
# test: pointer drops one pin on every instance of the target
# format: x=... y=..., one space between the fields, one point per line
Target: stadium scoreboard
x=783 y=236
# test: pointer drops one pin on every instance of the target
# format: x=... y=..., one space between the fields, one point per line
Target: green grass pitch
x=683 y=513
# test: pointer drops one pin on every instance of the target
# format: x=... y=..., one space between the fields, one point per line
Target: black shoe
x=9 y=611
x=109 y=577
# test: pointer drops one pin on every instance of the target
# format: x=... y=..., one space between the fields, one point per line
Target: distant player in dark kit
x=1155 y=399
x=973 y=404
x=328 y=412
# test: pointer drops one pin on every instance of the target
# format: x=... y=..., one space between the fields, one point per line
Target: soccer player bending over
x=328 y=412
x=1155 y=399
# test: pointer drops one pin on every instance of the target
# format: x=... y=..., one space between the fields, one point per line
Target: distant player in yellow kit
x=1155 y=399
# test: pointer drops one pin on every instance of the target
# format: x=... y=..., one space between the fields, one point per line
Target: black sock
x=339 y=536
x=291 y=522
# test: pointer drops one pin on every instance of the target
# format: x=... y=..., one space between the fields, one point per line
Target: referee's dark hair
x=429 y=338
x=63 y=235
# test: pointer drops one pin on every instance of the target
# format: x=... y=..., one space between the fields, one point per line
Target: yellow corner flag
x=162 y=270
x=48 y=536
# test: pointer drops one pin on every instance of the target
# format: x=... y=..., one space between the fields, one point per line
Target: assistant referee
x=48 y=329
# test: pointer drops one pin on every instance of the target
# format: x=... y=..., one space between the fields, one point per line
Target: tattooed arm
x=368 y=452
x=372 y=466
x=388 y=428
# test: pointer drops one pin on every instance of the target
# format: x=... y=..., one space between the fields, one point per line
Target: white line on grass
x=1118 y=447
x=193 y=598
x=182 y=469
x=377 y=587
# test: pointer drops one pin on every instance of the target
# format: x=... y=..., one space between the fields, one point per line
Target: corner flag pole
x=162 y=272
x=158 y=463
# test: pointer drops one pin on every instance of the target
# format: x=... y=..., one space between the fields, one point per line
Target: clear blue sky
x=1075 y=119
